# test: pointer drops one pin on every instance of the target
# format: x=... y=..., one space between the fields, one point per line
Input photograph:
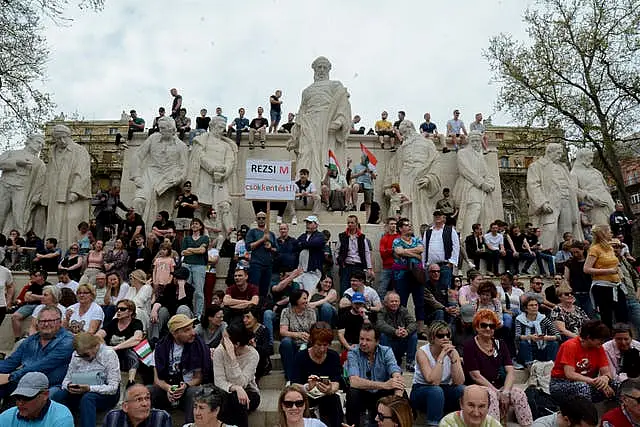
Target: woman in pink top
x=468 y=294
x=163 y=266
x=95 y=264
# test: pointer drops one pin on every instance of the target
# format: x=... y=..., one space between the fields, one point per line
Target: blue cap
x=358 y=297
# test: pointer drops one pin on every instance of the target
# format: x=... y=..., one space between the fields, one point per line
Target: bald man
x=474 y=412
x=136 y=410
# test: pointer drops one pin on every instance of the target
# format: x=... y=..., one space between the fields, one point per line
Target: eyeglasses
x=84 y=293
x=443 y=335
x=290 y=403
x=637 y=399
x=74 y=249
x=434 y=271
x=383 y=417
x=45 y=321
x=123 y=308
x=261 y=217
x=487 y=325
x=566 y=294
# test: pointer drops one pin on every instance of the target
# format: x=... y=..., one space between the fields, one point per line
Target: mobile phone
x=324 y=380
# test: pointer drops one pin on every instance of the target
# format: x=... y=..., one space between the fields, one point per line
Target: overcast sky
x=415 y=55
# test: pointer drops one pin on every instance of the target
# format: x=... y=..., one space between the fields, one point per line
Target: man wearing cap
x=306 y=196
x=261 y=242
x=137 y=411
x=311 y=258
x=351 y=319
x=182 y=362
x=33 y=406
x=48 y=351
x=354 y=253
x=442 y=247
x=176 y=298
x=240 y=296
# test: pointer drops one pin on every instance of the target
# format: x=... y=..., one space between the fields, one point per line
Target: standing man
x=288 y=250
x=176 y=103
x=386 y=254
x=306 y=196
x=354 y=253
x=475 y=246
x=261 y=243
x=239 y=125
x=456 y=130
x=106 y=204
x=258 y=125
x=442 y=247
x=364 y=174
x=275 y=111
x=186 y=203
x=621 y=224
x=311 y=246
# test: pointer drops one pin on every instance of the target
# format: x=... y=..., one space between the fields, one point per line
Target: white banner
x=269 y=190
x=269 y=170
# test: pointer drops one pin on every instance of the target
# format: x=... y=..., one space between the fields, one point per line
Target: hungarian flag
x=333 y=160
x=372 y=159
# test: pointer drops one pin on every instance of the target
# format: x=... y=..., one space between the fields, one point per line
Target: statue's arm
x=466 y=169
x=535 y=189
x=6 y=163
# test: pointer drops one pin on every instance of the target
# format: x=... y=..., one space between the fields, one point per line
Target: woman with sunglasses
x=293 y=409
x=394 y=411
x=438 y=383
x=567 y=316
x=122 y=334
x=487 y=363
x=206 y=408
x=536 y=334
x=72 y=263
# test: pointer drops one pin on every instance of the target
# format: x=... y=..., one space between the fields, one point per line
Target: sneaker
x=262 y=144
x=445 y=150
x=279 y=220
x=251 y=146
x=294 y=220
x=517 y=365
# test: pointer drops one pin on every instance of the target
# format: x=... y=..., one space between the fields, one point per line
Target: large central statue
x=323 y=122
x=158 y=168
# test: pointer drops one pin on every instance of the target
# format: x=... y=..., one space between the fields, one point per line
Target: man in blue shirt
x=428 y=129
x=239 y=125
x=33 y=406
x=373 y=373
x=364 y=173
x=48 y=351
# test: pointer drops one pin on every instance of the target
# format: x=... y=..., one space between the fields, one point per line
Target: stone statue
x=592 y=188
x=67 y=187
x=472 y=193
x=418 y=179
x=553 y=199
x=158 y=169
x=212 y=161
x=21 y=183
x=322 y=123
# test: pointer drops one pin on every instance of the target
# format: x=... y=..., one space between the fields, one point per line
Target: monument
x=553 y=199
x=323 y=122
x=212 y=162
x=67 y=187
x=418 y=178
x=158 y=169
x=21 y=184
x=593 y=190
x=473 y=186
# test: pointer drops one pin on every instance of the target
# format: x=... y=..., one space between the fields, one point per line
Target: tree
x=24 y=103
x=580 y=71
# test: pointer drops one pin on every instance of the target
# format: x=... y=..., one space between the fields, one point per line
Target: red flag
x=369 y=154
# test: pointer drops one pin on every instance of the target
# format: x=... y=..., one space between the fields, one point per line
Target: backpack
x=541 y=403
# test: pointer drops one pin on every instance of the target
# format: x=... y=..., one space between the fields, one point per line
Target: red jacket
x=386 y=250
x=616 y=418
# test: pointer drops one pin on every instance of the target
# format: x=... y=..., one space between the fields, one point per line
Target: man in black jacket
x=350 y=260
x=175 y=298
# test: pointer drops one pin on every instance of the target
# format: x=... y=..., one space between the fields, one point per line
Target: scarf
x=534 y=325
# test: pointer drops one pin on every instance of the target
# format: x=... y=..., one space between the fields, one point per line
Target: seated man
x=34 y=408
x=49 y=258
x=356 y=128
x=136 y=124
x=183 y=124
x=306 y=197
x=398 y=330
x=574 y=411
x=162 y=227
x=240 y=296
x=479 y=126
x=384 y=128
x=48 y=351
x=286 y=128
x=535 y=285
x=280 y=293
x=336 y=193
x=239 y=125
x=495 y=249
x=32 y=299
x=154 y=126
x=258 y=125
x=182 y=362
x=373 y=373
x=474 y=410
x=136 y=411
x=628 y=413
x=175 y=298
x=65 y=281
x=475 y=245
x=202 y=125
x=358 y=284
x=428 y=129
x=456 y=130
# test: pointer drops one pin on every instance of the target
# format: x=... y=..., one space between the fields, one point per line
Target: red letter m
x=284 y=170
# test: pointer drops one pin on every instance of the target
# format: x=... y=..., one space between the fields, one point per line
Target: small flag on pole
x=333 y=160
x=143 y=350
x=369 y=154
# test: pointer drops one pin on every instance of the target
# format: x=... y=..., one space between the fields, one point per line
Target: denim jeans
x=267 y=320
x=549 y=259
x=528 y=260
x=327 y=313
x=446 y=276
x=197 y=274
x=260 y=275
x=529 y=351
x=400 y=346
x=406 y=284
x=288 y=351
x=633 y=305
x=435 y=400
x=583 y=300
x=385 y=284
x=88 y=403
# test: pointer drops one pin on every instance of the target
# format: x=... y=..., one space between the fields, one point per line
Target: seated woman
x=234 y=370
x=567 y=316
x=212 y=326
x=95 y=263
x=396 y=409
x=85 y=315
x=581 y=367
x=122 y=334
x=177 y=298
x=116 y=260
x=206 y=408
x=487 y=363
x=438 y=381
x=319 y=371
x=295 y=324
x=140 y=292
x=536 y=334
x=50 y=296
x=117 y=290
x=293 y=408
x=623 y=353
x=488 y=299
x=468 y=294
x=324 y=301
x=93 y=379
x=261 y=341
x=72 y=262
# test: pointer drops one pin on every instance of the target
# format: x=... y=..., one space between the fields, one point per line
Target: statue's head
x=475 y=140
x=167 y=126
x=34 y=143
x=217 y=126
x=321 y=67
x=407 y=128
x=61 y=135
x=554 y=152
x=584 y=156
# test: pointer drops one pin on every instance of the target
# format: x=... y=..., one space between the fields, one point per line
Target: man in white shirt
x=336 y=193
x=372 y=299
x=442 y=247
x=456 y=130
x=306 y=197
x=66 y=282
x=495 y=248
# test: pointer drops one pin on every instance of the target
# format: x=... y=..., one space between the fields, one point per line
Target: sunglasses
x=434 y=271
x=443 y=335
x=566 y=294
x=84 y=293
x=383 y=417
x=123 y=308
x=487 y=325
x=637 y=399
x=30 y=398
x=290 y=403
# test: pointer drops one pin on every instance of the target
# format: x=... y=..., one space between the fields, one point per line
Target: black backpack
x=541 y=403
